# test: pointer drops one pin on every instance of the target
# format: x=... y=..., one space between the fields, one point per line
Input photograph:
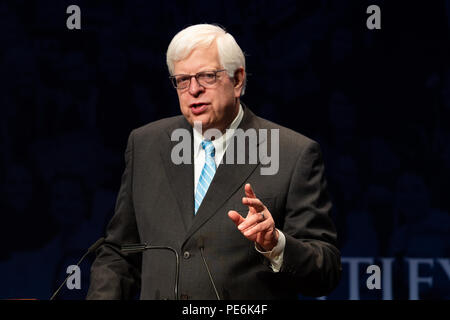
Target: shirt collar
x=221 y=143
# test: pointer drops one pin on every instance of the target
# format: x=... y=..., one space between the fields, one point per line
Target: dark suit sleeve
x=311 y=259
x=113 y=274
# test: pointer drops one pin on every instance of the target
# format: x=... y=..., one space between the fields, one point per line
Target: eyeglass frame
x=173 y=78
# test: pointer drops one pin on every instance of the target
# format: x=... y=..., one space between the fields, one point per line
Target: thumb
x=235 y=217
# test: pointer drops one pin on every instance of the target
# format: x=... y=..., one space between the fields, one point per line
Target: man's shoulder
x=287 y=135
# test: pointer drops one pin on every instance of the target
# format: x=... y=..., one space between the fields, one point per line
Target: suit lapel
x=180 y=177
x=227 y=180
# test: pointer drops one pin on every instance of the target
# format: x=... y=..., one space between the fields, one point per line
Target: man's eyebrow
x=200 y=70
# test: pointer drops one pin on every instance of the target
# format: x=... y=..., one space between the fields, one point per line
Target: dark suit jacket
x=155 y=205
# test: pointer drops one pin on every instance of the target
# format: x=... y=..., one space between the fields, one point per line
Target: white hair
x=231 y=56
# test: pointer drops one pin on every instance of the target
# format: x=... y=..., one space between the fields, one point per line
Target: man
x=241 y=234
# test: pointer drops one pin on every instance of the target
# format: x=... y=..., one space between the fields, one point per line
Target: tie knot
x=208 y=146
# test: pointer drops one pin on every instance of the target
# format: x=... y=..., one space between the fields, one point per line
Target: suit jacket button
x=186 y=255
x=184 y=297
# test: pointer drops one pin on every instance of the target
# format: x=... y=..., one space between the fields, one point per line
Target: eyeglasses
x=204 y=78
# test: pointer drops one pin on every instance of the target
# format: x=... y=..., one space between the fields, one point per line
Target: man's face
x=214 y=106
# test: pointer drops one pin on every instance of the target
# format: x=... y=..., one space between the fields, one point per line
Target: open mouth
x=198 y=108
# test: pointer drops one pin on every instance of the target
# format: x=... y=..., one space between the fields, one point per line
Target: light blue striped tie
x=209 y=169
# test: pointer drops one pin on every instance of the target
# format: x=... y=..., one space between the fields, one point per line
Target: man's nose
x=195 y=88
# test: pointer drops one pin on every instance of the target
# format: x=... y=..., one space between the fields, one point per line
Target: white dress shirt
x=275 y=256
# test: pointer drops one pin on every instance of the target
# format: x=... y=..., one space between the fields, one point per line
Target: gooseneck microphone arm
x=201 y=246
x=94 y=247
x=137 y=248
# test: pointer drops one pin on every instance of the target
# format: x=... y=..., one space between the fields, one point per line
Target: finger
x=235 y=217
x=262 y=227
x=255 y=203
x=250 y=221
x=249 y=191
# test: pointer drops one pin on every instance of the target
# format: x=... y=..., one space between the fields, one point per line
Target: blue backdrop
x=378 y=102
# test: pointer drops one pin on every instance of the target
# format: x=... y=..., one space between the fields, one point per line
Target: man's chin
x=201 y=125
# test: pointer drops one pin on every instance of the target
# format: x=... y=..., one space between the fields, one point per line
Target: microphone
x=91 y=249
x=141 y=247
x=200 y=245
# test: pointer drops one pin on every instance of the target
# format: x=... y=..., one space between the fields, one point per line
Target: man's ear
x=239 y=80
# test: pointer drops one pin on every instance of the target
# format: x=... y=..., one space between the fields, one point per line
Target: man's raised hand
x=258 y=226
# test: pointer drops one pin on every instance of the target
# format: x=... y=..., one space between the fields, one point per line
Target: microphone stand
x=94 y=247
x=137 y=248
x=201 y=247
